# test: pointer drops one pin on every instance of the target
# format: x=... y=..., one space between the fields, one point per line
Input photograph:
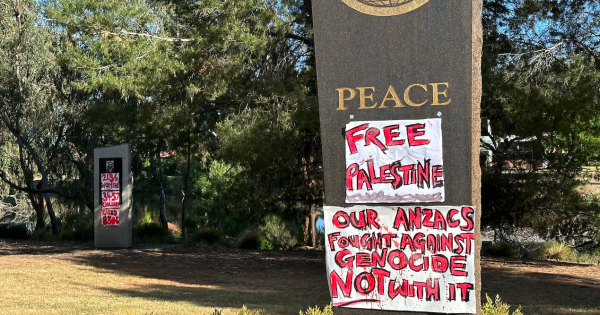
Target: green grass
x=562 y=252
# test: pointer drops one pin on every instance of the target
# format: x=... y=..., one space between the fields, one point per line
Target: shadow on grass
x=285 y=282
x=540 y=292
x=272 y=301
x=279 y=282
x=14 y=247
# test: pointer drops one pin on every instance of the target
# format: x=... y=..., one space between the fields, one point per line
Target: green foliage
x=33 y=120
x=245 y=311
x=546 y=200
x=276 y=234
x=557 y=251
x=587 y=258
x=249 y=239
x=226 y=200
x=502 y=249
x=328 y=310
x=287 y=177
x=540 y=86
x=160 y=75
x=562 y=252
x=191 y=225
x=44 y=235
x=497 y=307
x=152 y=233
x=78 y=225
x=14 y=231
x=321 y=235
x=208 y=236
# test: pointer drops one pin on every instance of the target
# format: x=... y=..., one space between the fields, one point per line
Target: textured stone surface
x=114 y=236
x=477 y=48
x=439 y=41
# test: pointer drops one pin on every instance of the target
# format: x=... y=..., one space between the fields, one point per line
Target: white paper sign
x=394 y=161
x=419 y=259
x=109 y=181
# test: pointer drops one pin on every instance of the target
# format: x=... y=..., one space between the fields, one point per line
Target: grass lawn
x=63 y=278
x=38 y=278
x=543 y=287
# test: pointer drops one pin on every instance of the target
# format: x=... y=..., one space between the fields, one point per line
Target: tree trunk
x=306 y=228
x=185 y=190
x=53 y=220
x=38 y=206
x=161 y=192
x=24 y=143
x=313 y=229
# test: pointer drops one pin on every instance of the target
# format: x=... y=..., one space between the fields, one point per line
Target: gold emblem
x=384 y=7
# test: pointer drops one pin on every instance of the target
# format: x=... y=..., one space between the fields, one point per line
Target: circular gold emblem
x=384 y=7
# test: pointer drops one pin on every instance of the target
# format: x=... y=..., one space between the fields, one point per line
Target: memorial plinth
x=113 y=186
x=391 y=75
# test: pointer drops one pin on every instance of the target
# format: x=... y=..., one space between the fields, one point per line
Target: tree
x=541 y=81
x=164 y=72
x=283 y=118
x=30 y=114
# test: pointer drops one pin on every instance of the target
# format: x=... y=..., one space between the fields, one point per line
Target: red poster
x=109 y=181
x=111 y=198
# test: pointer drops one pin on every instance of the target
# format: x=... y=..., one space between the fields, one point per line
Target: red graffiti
x=415 y=135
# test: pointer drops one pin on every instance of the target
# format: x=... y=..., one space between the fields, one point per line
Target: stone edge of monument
x=476 y=93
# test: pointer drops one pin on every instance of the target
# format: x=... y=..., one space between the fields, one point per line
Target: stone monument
x=113 y=185
x=398 y=80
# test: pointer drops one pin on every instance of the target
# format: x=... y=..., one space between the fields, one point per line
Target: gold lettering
x=363 y=97
x=341 y=91
x=407 y=95
x=437 y=93
x=391 y=96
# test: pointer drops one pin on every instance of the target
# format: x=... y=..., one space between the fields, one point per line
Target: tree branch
x=26 y=189
x=168 y=39
x=306 y=41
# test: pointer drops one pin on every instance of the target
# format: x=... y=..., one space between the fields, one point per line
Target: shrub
x=245 y=311
x=209 y=236
x=17 y=231
x=43 y=235
x=501 y=249
x=587 y=258
x=242 y=311
x=191 y=226
x=328 y=310
x=276 y=234
x=250 y=239
x=151 y=232
x=555 y=250
x=498 y=307
x=78 y=226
